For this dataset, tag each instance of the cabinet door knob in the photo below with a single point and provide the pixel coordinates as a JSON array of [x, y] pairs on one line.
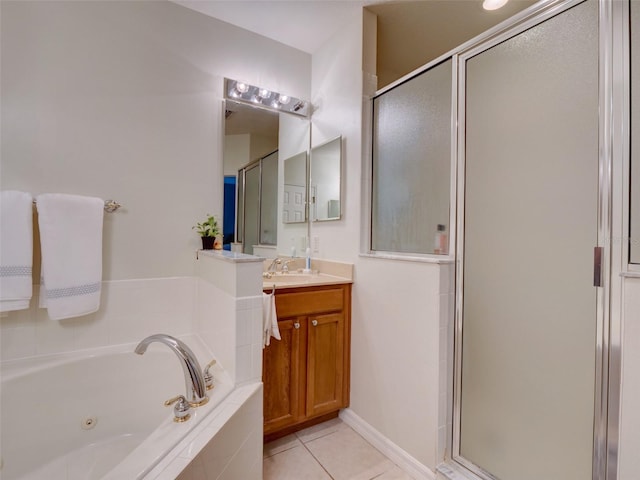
[[296, 325], [314, 322]]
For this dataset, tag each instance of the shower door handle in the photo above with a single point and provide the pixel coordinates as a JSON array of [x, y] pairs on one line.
[[597, 266]]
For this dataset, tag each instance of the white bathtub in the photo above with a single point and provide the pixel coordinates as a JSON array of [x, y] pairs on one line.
[[98, 414]]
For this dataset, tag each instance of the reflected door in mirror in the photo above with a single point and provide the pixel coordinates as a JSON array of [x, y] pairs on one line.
[[325, 182], [294, 199]]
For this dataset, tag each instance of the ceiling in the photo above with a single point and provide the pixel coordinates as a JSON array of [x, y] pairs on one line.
[[410, 33], [241, 118], [302, 24]]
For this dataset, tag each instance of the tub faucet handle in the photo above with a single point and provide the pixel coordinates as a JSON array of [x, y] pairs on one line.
[[208, 376], [181, 408]]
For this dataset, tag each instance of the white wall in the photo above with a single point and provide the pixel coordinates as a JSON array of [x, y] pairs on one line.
[[629, 412], [395, 369], [123, 100], [337, 96]]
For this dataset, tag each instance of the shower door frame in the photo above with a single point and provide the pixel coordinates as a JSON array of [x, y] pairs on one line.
[[607, 368]]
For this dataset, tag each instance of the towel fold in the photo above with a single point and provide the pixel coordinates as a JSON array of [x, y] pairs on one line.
[[16, 250], [269, 319], [71, 241]]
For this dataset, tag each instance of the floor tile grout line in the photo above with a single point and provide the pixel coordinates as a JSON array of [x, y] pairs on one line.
[[282, 451], [315, 438], [319, 462], [300, 442]]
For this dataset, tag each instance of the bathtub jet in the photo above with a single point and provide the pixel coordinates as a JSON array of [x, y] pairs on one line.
[[196, 393]]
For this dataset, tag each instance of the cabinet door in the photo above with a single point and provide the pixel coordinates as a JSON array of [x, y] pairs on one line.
[[325, 363], [282, 366]]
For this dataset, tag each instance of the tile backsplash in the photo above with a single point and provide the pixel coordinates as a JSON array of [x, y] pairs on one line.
[[129, 311], [222, 304]]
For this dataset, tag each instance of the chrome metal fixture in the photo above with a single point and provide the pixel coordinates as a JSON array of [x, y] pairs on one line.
[[285, 265], [273, 267], [193, 378], [264, 98], [181, 408], [208, 376]]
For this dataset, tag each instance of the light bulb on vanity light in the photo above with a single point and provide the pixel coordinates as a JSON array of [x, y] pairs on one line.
[[493, 4], [242, 87], [284, 99]]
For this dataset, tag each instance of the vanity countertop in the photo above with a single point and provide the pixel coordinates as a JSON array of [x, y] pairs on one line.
[[294, 280]]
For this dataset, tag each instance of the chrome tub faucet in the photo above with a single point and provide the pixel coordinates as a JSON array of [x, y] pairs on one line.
[[196, 393]]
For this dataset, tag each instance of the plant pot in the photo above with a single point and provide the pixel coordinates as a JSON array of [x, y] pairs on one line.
[[207, 243]]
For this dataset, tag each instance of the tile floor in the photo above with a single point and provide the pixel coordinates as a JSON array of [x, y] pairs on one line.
[[329, 451]]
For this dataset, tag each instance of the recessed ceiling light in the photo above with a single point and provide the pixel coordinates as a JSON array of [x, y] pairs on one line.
[[493, 4]]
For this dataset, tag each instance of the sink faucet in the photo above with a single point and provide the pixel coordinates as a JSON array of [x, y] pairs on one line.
[[274, 265], [193, 379], [285, 267]]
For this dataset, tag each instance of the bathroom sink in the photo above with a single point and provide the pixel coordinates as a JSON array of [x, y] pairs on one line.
[[289, 278]]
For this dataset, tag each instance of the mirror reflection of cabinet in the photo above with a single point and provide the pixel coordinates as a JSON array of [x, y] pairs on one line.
[[325, 181], [294, 201]]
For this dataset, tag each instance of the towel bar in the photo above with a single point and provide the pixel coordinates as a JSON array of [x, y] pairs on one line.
[[110, 206]]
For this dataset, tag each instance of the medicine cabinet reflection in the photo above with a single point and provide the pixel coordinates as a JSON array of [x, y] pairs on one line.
[[325, 183]]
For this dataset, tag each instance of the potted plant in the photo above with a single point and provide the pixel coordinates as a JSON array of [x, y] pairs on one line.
[[208, 231]]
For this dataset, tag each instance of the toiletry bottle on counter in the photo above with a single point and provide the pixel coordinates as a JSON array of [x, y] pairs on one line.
[[307, 265], [441, 241]]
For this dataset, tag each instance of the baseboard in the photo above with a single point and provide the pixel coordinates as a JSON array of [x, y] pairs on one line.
[[396, 454]]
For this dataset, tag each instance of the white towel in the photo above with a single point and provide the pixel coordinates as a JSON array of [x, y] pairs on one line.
[[71, 240], [269, 319], [16, 250]]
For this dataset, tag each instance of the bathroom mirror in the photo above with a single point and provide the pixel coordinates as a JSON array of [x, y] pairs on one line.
[[258, 136], [325, 181], [294, 201]]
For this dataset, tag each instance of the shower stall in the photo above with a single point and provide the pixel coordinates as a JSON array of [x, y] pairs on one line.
[[533, 348]]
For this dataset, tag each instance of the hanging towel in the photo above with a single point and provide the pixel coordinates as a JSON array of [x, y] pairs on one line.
[[71, 241], [16, 250], [269, 319]]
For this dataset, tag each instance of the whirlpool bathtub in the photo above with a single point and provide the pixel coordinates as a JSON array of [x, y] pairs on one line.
[[100, 414]]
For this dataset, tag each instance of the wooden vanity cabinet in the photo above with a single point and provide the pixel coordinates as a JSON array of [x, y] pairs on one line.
[[306, 374]]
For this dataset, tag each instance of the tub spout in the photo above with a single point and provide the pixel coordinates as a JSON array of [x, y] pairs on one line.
[[193, 379]]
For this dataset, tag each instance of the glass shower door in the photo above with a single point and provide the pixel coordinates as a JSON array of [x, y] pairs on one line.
[[527, 378], [251, 208]]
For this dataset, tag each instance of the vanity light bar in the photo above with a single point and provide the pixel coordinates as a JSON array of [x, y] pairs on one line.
[[262, 97]]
